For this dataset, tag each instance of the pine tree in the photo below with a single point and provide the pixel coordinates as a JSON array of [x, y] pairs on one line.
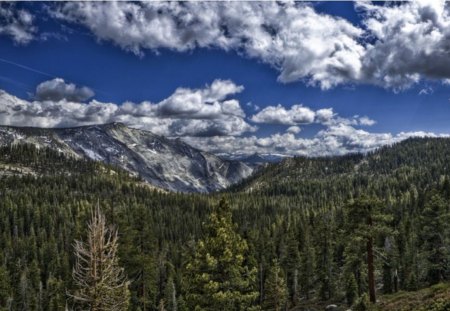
[[365, 223], [5, 289], [324, 258], [217, 277], [101, 282], [292, 262], [351, 288], [275, 290], [307, 265], [434, 235], [170, 295]]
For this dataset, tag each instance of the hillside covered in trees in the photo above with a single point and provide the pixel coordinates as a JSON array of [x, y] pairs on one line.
[[299, 235]]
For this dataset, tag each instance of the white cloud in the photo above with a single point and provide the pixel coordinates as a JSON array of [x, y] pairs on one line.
[[334, 140], [196, 112], [218, 129], [366, 121], [325, 115], [291, 37], [57, 89], [397, 45], [410, 42], [207, 103], [293, 129], [297, 114], [16, 23]]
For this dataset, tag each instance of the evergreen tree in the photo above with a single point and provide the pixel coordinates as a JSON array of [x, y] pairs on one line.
[[434, 235], [292, 262], [351, 289], [307, 265], [217, 277], [275, 290], [365, 223], [5, 289], [170, 295]]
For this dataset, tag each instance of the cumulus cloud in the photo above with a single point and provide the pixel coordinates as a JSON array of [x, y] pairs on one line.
[[325, 115], [294, 129], [396, 45], [297, 114], [291, 37], [410, 41], [16, 23], [57, 89], [208, 111], [207, 103], [211, 123], [366, 121], [334, 140]]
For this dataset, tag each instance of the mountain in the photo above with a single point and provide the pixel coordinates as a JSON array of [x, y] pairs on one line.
[[257, 159], [414, 158], [165, 163]]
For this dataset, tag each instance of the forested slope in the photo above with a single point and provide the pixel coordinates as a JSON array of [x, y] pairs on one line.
[[300, 221]]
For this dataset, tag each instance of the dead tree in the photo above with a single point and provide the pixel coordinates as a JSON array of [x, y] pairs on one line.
[[101, 282]]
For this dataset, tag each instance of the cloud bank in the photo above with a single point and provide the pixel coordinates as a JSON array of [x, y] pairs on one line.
[[208, 118], [396, 46], [208, 111]]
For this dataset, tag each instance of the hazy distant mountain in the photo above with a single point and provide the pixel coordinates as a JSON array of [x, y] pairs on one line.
[[257, 159], [167, 163]]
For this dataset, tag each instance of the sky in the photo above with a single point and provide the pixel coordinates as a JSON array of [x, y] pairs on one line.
[[233, 78]]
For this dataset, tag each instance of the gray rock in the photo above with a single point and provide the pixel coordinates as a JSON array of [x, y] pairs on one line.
[[165, 163]]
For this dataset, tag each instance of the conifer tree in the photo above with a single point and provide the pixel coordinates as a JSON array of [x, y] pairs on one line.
[[170, 295], [292, 262], [217, 277], [307, 265], [365, 223], [351, 290], [275, 290], [434, 234], [5, 289], [101, 282]]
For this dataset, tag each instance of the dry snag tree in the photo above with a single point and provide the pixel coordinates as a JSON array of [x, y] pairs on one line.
[[101, 282]]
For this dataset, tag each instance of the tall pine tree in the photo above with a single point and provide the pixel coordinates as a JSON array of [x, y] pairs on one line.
[[217, 276]]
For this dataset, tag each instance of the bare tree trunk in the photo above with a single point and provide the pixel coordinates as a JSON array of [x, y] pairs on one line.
[[101, 282]]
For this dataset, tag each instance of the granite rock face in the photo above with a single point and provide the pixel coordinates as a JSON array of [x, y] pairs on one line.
[[166, 163]]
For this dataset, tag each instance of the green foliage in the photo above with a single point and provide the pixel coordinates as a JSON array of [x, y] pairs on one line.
[[217, 276], [435, 237], [297, 212], [5, 289], [351, 289], [276, 292], [362, 303], [365, 223]]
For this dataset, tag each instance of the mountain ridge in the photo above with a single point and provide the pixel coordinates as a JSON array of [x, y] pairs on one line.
[[166, 163], [434, 152]]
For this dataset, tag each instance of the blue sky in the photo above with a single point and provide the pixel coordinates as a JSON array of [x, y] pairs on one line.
[[72, 48]]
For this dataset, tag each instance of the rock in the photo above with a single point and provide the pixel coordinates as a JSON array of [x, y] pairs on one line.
[[331, 308], [165, 163]]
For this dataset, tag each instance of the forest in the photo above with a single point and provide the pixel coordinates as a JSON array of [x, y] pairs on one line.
[[333, 233]]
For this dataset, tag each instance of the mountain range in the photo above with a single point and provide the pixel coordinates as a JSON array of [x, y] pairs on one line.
[[169, 164]]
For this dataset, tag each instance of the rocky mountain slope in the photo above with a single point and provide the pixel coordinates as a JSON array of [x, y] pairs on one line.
[[165, 163]]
